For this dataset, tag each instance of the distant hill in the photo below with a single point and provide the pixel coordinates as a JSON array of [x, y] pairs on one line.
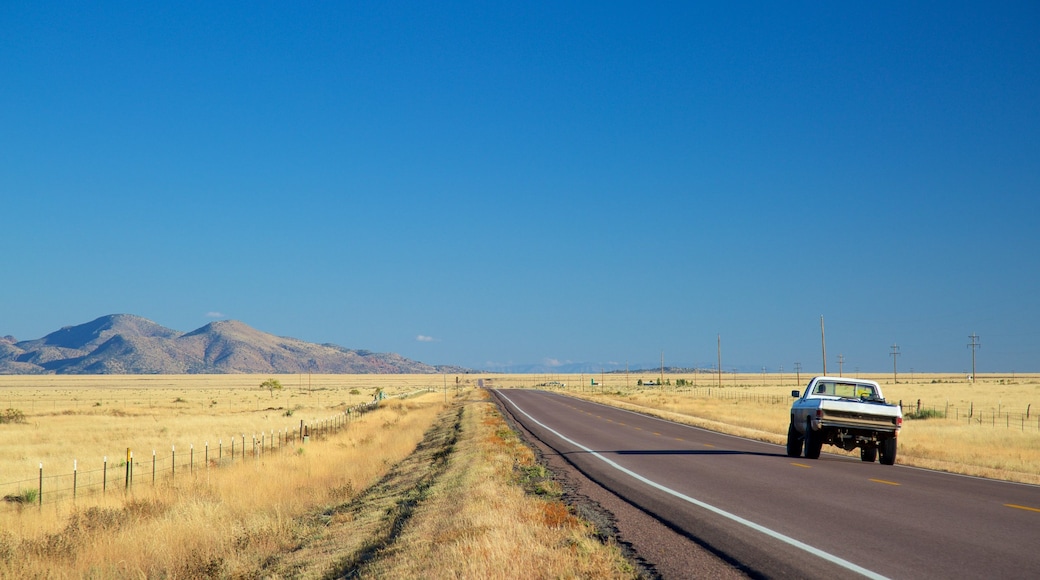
[[128, 344]]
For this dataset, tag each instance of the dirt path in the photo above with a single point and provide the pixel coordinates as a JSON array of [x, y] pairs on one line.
[[348, 536]]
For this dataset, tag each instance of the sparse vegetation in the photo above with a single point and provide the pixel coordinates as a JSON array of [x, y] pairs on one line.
[[962, 433], [484, 506], [271, 385], [12, 416], [26, 496], [301, 514], [924, 414]]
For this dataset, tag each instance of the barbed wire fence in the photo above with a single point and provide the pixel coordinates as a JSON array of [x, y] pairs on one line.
[[1023, 420], [122, 474]]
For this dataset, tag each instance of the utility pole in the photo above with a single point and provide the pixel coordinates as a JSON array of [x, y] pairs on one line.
[[974, 344], [763, 375], [718, 347], [841, 364], [662, 367], [798, 373], [894, 354], [781, 376], [823, 341]]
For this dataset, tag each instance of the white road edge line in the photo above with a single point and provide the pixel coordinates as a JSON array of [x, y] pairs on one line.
[[733, 517]]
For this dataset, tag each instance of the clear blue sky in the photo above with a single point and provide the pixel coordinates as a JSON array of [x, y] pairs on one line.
[[526, 183]]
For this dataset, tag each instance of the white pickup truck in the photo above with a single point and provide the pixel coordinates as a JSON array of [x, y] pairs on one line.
[[846, 413]]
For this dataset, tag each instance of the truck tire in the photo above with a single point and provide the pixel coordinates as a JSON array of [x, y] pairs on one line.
[[813, 441], [888, 451], [868, 454], [794, 441]]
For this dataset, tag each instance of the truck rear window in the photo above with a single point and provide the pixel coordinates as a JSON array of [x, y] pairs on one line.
[[845, 390]]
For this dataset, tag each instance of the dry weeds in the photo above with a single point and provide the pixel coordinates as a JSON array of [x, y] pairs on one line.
[[388, 496], [757, 407]]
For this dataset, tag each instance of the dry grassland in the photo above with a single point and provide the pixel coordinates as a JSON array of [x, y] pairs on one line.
[[457, 508], [365, 501], [998, 441], [88, 418]]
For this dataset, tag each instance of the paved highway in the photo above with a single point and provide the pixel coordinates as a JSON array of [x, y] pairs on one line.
[[786, 517]]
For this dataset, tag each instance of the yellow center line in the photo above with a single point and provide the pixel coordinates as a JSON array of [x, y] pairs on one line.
[[1022, 507], [656, 433], [885, 482], [802, 465], [708, 445]]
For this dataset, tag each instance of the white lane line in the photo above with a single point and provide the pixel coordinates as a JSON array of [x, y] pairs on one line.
[[733, 517]]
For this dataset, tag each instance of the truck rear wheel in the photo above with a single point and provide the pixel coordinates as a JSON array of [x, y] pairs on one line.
[[813, 441], [868, 454], [888, 451], [794, 441]]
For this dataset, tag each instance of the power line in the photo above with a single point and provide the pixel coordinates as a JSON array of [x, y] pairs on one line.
[[894, 354], [823, 344], [974, 344], [718, 347]]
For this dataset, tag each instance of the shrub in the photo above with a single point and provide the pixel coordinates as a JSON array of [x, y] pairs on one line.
[[25, 496], [925, 414], [12, 416]]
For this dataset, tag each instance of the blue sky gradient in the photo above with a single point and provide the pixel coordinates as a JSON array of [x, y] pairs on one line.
[[490, 185]]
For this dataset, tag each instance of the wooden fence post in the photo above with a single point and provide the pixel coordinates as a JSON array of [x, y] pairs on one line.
[[74, 480], [104, 475], [39, 492]]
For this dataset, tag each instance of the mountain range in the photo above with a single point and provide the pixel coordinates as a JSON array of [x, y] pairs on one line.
[[128, 344]]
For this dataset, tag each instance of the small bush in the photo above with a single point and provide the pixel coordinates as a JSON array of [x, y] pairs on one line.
[[12, 416], [26, 496], [925, 414]]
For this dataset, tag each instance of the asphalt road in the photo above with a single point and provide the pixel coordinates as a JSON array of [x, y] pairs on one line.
[[784, 517]]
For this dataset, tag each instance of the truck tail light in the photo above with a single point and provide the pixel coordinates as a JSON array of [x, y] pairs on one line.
[[899, 422], [819, 413]]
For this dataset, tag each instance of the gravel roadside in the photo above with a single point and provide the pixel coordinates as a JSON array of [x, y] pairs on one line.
[[655, 550]]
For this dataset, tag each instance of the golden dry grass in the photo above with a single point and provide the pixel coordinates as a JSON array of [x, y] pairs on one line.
[[1003, 445], [480, 523], [301, 511], [222, 522], [87, 418]]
